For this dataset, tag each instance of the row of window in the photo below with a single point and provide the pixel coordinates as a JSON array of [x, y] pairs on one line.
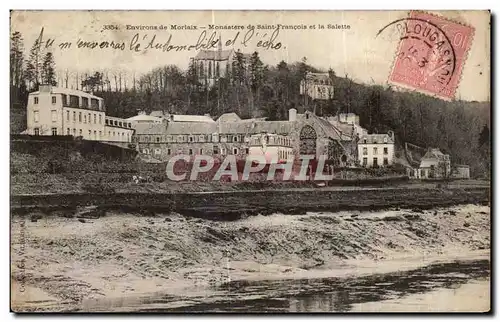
[[267, 139], [74, 101], [97, 135], [375, 162], [216, 151], [53, 131], [375, 151], [85, 118], [192, 138], [215, 138], [91, 117], [118, 123], [284, 154]]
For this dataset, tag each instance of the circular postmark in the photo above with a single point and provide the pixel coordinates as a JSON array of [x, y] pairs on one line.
[[426, 58]]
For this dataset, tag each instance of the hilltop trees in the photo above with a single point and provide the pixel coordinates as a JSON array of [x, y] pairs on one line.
[[251, 88], [16, 59], [48, 73], [93, 82], [34, 67], [18, 90], [484, 136]]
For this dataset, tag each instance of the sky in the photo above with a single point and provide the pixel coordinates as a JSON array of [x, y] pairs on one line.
[[350, 46]]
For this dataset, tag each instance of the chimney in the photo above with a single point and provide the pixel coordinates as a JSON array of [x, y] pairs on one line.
[[292, 115]]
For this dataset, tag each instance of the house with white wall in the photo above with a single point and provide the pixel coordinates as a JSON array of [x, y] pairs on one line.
[[376, 150]]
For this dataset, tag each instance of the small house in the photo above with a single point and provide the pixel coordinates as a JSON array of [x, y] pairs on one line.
[[434, 165]]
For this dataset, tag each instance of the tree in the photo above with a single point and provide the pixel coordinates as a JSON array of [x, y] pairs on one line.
[[256, 68], [34, 66], [192, 82], [48, 70], [331, 108], [484, 136], [16, 59], [18, 90], [92, 83], [256, 72], [484, 150], [239, 73]]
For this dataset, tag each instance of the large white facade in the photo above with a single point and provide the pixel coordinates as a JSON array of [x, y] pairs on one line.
[[63, 111]]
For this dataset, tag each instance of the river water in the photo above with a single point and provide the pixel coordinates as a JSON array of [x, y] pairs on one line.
[[398, 291]]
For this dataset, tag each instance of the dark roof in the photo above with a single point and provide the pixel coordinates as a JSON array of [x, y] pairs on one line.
[[252, 127], [177, 128], [191, 128], [317, 76], [150, 128], [435, 154], [376, 139]]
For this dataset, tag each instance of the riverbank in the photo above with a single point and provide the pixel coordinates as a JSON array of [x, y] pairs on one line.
[[72, 264], [236, 204]]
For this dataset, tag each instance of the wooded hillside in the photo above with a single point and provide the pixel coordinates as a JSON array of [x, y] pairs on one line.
[[253, 88]]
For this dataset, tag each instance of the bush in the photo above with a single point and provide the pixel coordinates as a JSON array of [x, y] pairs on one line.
[[55, 166], [97, 188]]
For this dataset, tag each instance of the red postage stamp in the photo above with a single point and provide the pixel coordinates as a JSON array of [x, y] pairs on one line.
[[431, 54]]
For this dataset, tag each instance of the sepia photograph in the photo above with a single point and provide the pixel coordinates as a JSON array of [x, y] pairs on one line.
[[250, 161]]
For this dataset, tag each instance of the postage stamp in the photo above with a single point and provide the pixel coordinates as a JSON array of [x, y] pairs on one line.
[[431, 54]]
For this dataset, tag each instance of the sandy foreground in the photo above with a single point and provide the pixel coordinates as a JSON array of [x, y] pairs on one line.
[[70, 264]]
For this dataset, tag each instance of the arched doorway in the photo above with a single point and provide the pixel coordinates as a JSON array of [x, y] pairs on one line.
[[308, 140]]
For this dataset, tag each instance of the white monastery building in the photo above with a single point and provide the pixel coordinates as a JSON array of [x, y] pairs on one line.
[[62, 111]]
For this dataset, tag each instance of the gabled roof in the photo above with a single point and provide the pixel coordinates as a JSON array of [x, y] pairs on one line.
[[143, 117], [277, 127], [434, 154], [191, 128], [229, 117], [193, 118], [317, 76], [253, 126]]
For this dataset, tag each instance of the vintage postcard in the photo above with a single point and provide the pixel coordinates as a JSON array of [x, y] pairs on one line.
[[250, 161]]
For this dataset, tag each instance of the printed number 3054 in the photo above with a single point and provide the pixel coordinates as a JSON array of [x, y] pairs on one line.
[[110, 27]]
